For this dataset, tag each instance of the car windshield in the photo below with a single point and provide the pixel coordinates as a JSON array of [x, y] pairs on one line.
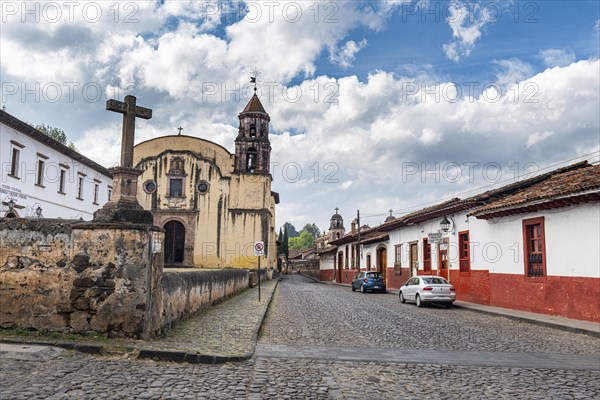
[[374, 275], [434, 281]]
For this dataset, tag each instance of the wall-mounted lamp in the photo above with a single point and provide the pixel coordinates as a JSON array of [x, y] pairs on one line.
[[38, 211], [445, 224], [11, 205]]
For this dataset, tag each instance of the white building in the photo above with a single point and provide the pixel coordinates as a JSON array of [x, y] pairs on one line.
[[41, 175], [531, 245]]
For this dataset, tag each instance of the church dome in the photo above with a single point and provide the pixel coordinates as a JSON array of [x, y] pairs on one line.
[[390, 217], [336, 220]]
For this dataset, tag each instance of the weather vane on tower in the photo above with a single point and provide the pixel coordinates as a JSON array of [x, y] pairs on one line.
[[254, 77]]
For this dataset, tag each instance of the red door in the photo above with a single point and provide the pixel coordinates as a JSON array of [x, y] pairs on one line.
[[443, 258]]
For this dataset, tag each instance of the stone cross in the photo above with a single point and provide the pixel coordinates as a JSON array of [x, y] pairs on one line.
[[336, 210], [130, 111], [180, 129]]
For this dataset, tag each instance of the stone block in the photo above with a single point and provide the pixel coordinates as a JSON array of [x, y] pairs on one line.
[[82, 303], [84, 282], [64, 308], [79, 321]]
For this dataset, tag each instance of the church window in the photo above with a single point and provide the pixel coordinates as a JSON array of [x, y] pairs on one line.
[[109, 192], [202, 187], [176, 187], [252, 130], [149, 186], [251, 159]]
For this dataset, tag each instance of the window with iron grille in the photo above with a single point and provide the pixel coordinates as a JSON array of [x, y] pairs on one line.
[[464, 252], [534, 247]]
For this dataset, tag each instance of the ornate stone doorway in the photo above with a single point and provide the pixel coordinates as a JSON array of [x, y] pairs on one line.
[[174, 242]]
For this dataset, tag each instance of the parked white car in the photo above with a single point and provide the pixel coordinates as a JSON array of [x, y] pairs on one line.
[[427, 289]]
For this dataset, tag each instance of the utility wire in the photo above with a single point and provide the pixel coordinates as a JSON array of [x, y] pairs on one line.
[[595, 154]]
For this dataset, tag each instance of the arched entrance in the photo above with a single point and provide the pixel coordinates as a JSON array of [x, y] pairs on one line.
[[174, 242], [382, 261]]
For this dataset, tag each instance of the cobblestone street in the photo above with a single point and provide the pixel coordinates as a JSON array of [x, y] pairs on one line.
[[326, 342]]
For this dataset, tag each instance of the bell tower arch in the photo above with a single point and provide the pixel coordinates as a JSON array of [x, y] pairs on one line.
[[252, 145]]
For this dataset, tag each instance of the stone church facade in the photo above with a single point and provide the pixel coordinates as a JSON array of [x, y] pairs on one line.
[[213, 205]]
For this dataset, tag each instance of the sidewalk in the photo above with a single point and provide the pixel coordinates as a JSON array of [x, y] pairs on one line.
[[225, 332], [567, 324]]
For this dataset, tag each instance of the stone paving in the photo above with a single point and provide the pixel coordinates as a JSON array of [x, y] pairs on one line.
[[226, 329], [79, 376], [305, 316], [309, 313]]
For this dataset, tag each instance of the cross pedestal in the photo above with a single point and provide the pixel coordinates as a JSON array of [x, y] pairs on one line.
[[123, 205]]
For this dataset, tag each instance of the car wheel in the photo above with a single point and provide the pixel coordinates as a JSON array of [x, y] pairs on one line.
[[353, 288], [418, 301], [362, 289], [402, 299]]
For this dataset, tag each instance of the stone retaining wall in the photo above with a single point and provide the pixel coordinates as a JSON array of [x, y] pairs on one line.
[[76, 277], [184, 293], [82, 277]]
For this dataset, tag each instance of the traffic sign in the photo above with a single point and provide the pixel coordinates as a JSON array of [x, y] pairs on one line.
[[259, 248]]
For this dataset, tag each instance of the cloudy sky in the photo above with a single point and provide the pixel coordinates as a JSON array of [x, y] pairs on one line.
[[374, 105]]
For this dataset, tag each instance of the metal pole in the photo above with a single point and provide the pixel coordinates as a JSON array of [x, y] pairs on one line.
[[259, 279], [358, 251]]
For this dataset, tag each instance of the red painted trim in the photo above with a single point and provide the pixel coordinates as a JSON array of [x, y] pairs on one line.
[[464, 258], [568, 297], [526, 243]]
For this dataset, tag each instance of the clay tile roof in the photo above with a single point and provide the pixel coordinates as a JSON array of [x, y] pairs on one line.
[[559, 185], [254, 105]]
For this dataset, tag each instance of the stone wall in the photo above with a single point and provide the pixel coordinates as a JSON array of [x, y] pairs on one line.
[[184, 293], [78, 277]]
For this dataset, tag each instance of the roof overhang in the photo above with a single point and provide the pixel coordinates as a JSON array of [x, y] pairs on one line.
[[541, 205]]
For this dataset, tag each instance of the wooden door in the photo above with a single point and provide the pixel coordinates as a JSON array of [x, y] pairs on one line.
[[382, 261], [443, 258], [340, 266], [414, 259]]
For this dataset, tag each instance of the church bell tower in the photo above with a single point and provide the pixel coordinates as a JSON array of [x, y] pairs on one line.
[[252, 145]]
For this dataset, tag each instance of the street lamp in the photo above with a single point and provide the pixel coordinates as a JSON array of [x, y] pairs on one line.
[[445, 224]]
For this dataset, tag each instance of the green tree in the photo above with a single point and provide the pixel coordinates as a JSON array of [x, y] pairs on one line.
[[280, 242], [313, 229], [57, 134], [302, 242], [285, 245], [291, 230]]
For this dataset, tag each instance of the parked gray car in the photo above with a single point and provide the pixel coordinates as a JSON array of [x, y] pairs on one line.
[[427, 289]]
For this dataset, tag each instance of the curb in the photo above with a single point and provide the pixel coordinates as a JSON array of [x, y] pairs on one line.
[[262, 320], [532, 321], [82, 348], [184, 357]]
